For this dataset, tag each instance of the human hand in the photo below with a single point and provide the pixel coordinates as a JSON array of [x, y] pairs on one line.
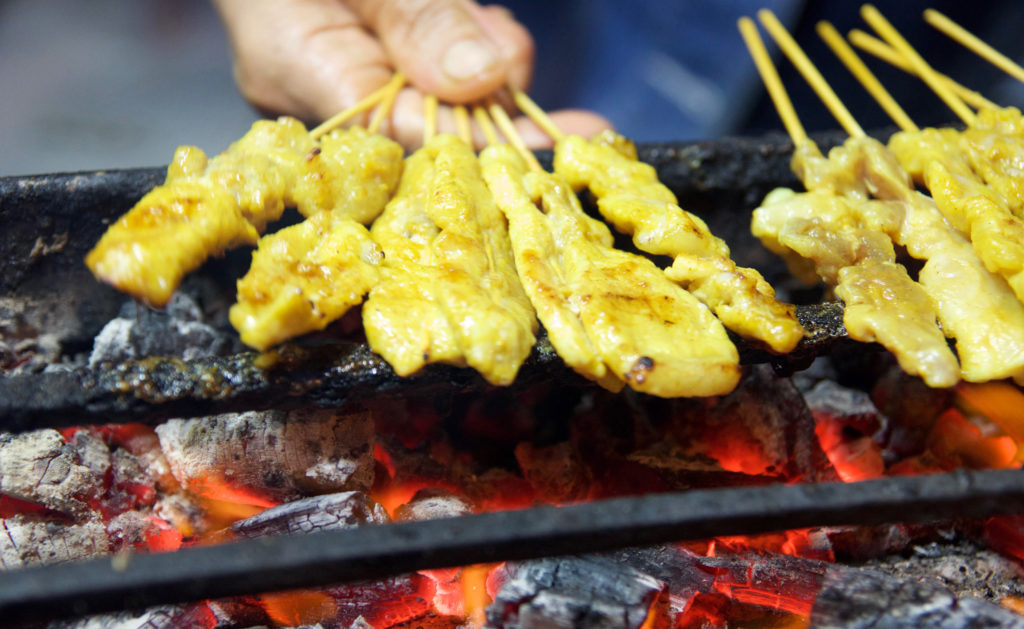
[[314, 58]]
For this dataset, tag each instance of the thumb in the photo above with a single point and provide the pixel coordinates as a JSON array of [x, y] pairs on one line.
[[439, 44]]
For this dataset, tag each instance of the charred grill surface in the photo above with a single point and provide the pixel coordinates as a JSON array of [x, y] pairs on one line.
[[334, 376], [302, 560]]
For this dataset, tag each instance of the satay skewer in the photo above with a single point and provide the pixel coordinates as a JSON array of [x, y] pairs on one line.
[[613, 316], [968, 40], [887, 32], [429, 117], [508, 128], [866, 78], [486, 126], [463, 128], [365, 104], [847, 237]]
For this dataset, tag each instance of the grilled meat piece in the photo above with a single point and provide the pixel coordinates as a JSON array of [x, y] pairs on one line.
[[612, 316], [303, 278], [632, 199], [448, 290]]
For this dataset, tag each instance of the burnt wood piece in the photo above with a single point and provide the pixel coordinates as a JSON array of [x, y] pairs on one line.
[[332, 376], [295, 561]]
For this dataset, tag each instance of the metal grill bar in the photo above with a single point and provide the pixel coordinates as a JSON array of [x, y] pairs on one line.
[[286, 562]]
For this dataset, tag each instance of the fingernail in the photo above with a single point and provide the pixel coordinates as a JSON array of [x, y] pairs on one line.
[[467, 59]]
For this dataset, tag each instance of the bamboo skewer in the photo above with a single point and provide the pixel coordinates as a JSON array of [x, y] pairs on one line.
[[882, 26], [538, 115], [429, 117], [387, 101], [344, 116], [866, 78], [772, 82], [966, 39], [462, 125], [490, 134], [883, 51], [508, 128], [809, 72]]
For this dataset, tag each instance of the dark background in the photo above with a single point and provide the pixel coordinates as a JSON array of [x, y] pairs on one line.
[[100, 84]]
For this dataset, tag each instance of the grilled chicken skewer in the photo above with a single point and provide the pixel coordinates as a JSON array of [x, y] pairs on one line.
[[612, 316], [843, 236], [448, 290], [630, 197], [207, 206]]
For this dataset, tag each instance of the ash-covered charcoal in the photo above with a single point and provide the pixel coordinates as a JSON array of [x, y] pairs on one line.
[[193, 616], [23, 347], [135, 530], [433, 504], [679, 569], [41, 468], [343, 510], [963, 567], [266, 457], [862, 598], [578, 591], [763, 428], [179, 331], [381, 603], [30, 540]]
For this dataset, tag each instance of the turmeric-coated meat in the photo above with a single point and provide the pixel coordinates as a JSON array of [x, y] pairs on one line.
[[449, 291], [630, 197], [304, 277], [614, 317]]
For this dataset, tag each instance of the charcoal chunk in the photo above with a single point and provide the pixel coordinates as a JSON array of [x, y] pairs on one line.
[[854, 598], [319, 513], [266, 457], [579, 591]]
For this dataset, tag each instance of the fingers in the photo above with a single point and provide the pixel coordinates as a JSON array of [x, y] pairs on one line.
[[451, 48], [306, 58], [515, 45]]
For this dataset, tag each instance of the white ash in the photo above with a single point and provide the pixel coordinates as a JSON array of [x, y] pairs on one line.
[[274, 454], [92, 452], [130, 529], [40, 467], [181, 512], [195, 615], [27, 541], [433, 504], [179, 332], [964, 568]]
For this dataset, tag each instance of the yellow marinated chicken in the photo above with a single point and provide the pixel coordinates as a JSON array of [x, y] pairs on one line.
[[352, 172], [448, 290], [632, 199], [975, 307], [847, 242], [995, 147], [965, 200], [612, 316], [203, 208], [206, 206], [304, 277]]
